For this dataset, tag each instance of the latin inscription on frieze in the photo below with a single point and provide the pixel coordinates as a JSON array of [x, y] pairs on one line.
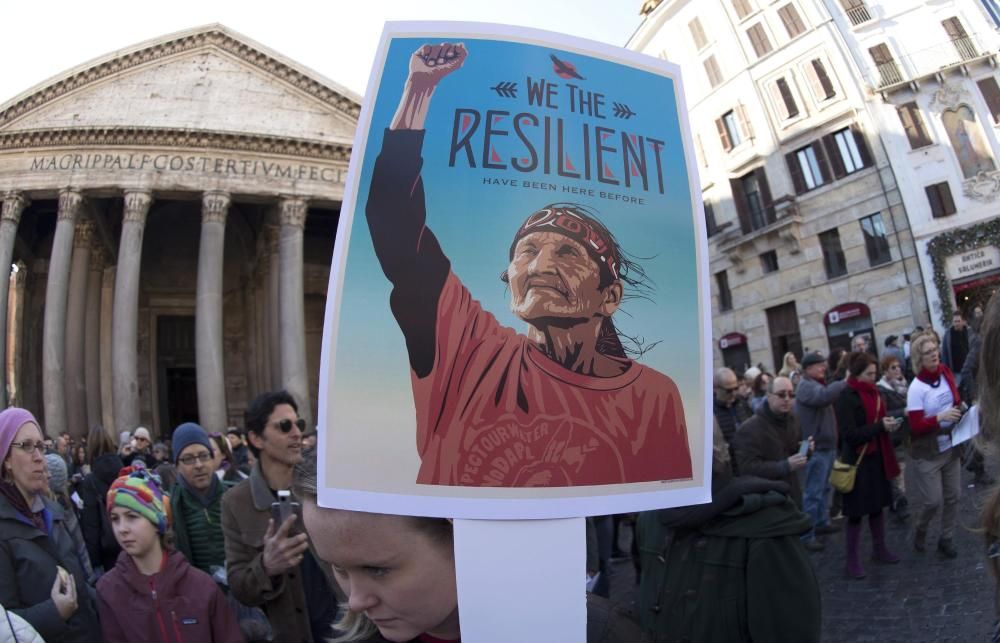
[[179, 163]]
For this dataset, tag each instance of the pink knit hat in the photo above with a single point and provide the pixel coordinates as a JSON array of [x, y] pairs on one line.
[[11, 420]]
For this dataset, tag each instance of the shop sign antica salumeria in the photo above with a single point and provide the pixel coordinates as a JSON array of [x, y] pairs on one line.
[[973, 262]]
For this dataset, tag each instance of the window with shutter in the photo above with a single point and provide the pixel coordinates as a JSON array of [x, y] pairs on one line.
[[769, 261], [787, 100], [876, 241], [849, 146], [720, 125], [741, 114], [790, 18], [939, 197], [759, 40], [885, 65], [857, 11], [913, 125], [697, 34], [834, 261], [991, 94], [725, 296], [742, 8], [731, 128], [959, 38], [713, 71], [710, 225], [819, 80]]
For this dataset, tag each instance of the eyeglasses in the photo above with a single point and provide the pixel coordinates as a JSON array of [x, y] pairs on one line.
[[30, 446], [732, 389], [785, 395], [190, 458], [286, 424]]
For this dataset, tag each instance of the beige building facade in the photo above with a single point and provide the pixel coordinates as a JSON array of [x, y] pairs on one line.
[[171, 211]]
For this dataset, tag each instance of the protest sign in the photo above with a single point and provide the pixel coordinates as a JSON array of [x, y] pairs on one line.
[[518, 304]]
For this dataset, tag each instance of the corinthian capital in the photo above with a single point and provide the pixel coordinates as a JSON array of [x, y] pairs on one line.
[[70, 201], [84, 233], [137, 204], [14, 204], [214, 206], [293, 212]]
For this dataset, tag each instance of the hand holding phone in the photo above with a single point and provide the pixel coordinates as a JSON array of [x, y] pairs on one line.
[[804, 447]]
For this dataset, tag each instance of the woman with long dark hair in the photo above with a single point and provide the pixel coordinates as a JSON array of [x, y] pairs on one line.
[[97, 533]]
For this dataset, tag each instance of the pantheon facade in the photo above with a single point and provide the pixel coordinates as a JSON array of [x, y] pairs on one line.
[[169, 217]]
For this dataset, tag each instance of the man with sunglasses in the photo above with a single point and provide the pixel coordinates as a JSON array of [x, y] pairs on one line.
[[730, 410], [767, 445], [196, 500], [271, 565]]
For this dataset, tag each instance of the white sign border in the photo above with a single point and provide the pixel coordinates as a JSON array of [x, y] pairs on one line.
[[505, 508]]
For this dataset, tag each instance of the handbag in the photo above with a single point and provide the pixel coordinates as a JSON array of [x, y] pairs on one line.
[[843, 473]]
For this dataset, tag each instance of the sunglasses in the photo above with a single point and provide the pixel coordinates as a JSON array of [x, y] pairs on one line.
[[286, 424], [785, 395]]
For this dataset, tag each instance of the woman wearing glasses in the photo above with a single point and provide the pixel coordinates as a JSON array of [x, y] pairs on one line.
[[933, 407], [865, 432], [41, 577]]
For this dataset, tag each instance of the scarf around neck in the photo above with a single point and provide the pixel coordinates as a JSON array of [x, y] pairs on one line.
[[871, 400], [13, 495], [934, 380], [208, 498]]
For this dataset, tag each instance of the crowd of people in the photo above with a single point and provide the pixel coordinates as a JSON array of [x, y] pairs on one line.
[[187, 532]]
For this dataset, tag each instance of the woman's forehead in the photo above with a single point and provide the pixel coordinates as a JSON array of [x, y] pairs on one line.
[[29, 430]]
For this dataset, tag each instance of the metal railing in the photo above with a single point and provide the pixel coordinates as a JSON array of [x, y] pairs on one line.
[[965, 47], [858, 15], [889, 74]]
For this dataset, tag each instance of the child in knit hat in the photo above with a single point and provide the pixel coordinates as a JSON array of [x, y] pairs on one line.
[[167, 598]]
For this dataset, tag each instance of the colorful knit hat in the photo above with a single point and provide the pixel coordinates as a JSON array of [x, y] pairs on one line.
[[138, 489]]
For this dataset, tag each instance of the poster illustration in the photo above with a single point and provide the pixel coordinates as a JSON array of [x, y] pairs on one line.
[[517, 306]]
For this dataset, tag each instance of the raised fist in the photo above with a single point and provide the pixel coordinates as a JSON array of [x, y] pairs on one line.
[[431, 63]]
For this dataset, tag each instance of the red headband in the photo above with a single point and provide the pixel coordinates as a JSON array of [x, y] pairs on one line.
[[575, 226]]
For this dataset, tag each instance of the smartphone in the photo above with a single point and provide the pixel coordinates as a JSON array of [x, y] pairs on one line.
[[804, 447], [285, 507]]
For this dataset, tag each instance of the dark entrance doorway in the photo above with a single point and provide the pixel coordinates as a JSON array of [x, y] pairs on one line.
[[178, 394], [783, 322]]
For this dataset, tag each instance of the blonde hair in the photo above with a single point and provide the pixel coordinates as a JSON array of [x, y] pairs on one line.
[[917, 348]]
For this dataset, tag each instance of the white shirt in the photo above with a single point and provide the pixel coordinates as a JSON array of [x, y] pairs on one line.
[[924, 397]]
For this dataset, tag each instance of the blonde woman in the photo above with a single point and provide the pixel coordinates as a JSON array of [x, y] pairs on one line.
[[933, 408]]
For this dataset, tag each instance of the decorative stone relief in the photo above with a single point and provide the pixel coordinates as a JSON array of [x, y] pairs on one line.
[[137, 204], [70, 201], [214, 206], [84, 233], [984, 187], [13, 205], [294, 211], [210, 38], [949, 96]]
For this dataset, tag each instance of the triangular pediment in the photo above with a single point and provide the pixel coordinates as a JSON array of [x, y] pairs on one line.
[[205, 79]]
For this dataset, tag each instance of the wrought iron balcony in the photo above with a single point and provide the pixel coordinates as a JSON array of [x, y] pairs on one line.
[[858, 15]]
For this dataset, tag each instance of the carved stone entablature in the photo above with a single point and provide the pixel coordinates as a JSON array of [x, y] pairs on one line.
[[984, 187], [137, 204], [14, 204], [214, 206], [171, 138], [211, 37], [84, 233], [293, 211], [70, 201], [949, 96]]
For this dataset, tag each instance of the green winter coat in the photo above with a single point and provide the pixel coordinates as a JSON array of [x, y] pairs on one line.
[[732, 570], [194, 523]]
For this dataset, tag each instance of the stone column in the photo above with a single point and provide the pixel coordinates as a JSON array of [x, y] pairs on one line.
[[273, 305], [92, 337], [262, 309], [291, 308], [54, 324], [125, 316], [76, 320], [208, 313], [13, 205]]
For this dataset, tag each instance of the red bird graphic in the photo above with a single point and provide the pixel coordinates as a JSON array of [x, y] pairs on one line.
[[564, 69]]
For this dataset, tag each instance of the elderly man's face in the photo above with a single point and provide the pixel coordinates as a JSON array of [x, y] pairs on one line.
[[726, 387], [553, 277]]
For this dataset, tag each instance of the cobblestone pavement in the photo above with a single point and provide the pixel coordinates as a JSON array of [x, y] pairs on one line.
[[923, 598]]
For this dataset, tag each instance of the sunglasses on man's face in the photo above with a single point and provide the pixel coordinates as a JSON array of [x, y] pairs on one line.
[[286, 424]]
